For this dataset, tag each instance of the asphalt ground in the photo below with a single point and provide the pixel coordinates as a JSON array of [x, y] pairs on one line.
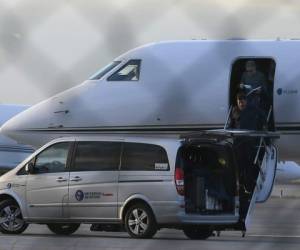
[[275, 225]]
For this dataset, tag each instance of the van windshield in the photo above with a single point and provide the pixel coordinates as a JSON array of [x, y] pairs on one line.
[[99, 74]]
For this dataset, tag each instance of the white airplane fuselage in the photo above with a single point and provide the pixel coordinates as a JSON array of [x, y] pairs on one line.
[[182, 86]]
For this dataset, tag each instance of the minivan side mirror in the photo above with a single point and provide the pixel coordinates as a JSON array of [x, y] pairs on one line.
[[30, 168]]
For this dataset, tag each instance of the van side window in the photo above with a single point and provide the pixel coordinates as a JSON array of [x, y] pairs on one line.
[[97, 156], [129, 72], [22, 171], [144, 157], [53, 159]]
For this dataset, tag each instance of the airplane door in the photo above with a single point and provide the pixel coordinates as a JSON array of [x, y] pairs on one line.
[[266, 177], [265, 180]]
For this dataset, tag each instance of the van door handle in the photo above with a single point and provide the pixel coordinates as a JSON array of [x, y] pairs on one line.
[[61, 179], [76, 178]]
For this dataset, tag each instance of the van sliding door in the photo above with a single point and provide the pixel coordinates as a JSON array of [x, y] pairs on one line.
[[94, 180]]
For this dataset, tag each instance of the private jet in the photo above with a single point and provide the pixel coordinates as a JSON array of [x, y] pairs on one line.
[[179, 87], [170, 87]]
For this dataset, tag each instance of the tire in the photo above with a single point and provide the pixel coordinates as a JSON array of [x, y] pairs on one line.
[[140, 222], [63, 228], [197, 232], [11, 219]]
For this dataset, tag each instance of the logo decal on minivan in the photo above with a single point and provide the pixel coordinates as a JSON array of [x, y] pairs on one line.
[[79, 195]]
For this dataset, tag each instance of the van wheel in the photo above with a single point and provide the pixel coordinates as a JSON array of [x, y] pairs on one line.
[[11, 220], [140, 221], [197, 232], [63, 228]]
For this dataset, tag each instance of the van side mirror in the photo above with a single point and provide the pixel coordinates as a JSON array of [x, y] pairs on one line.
[[30, 168]]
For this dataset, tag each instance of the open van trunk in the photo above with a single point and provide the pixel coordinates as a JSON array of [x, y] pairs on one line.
[[210, 179], [225, 173]]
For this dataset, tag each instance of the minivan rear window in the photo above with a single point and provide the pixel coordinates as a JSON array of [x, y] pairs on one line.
[[144, 157], [97, 156]]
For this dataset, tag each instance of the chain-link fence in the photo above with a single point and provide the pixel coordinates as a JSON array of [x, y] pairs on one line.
[[48, 46]]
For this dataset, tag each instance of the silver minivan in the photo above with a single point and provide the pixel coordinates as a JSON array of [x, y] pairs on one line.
[[198, 183]]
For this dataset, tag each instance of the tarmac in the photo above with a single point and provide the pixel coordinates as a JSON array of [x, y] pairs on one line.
[[274, 225]]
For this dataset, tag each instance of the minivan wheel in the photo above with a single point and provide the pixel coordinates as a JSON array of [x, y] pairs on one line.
[[11, 220], [197, 232], [140, 221], [63, 228]]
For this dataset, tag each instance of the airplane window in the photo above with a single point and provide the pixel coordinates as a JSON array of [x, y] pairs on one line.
[[99, 74], [129, 72]]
